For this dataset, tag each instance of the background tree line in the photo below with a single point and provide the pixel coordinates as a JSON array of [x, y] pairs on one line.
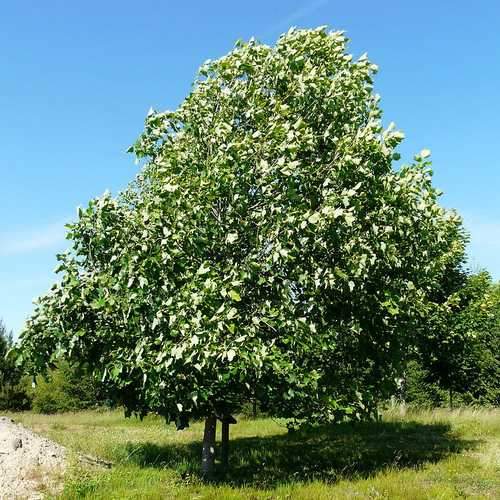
[[65, 387], [459, 363]]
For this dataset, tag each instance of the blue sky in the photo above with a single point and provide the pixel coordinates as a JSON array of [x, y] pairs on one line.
[[77, 79]]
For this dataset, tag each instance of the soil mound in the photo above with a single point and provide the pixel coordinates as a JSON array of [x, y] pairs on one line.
[[29, 464]]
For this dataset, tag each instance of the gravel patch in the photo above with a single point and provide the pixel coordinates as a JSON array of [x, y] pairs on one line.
[[29, 463]]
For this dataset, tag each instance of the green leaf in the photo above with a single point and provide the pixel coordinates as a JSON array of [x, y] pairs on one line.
[[231, 238], [203, 269], [171, 188], [314, 218]]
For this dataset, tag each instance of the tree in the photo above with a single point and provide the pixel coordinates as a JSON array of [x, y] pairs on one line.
[[13, 395], [462, 351], [267, 250], [5, 345]]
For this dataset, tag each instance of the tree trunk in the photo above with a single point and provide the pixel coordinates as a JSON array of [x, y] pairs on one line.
[[225, 444], [451, 398], [208, 451], [254, 409]]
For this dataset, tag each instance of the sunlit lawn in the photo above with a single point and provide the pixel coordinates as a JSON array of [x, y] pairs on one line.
[[425, 454]]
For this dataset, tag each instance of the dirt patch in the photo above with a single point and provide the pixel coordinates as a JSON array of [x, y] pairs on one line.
[[29, 464]]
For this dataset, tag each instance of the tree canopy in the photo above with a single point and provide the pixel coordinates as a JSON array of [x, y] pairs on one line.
[[13, 394], [6, 342], [462, 349], [268, 248]]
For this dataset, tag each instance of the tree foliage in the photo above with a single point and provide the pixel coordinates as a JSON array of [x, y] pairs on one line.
[[6, 341], [13, 394], [268, 249], [66, 388], [462, 351]]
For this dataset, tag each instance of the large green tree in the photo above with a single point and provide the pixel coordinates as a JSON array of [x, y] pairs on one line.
[[268, 249]]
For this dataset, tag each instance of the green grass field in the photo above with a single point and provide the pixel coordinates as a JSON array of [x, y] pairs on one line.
[[435, 454]]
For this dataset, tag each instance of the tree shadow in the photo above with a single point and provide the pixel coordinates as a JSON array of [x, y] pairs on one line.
[[324, 453]]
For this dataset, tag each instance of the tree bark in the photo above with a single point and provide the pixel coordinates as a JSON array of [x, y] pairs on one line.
[[208, 451], [451, 398], [254, 409], [225, 444]]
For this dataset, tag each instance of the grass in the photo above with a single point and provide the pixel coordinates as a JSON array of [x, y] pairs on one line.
[[436, 454]]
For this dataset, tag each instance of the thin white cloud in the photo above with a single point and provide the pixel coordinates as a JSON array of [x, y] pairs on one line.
[[26, 241], [304, 11]]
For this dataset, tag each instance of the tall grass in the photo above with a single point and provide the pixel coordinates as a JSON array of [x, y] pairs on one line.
[[408, 454]]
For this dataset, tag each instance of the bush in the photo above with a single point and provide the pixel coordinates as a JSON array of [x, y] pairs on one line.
[[15, 397], [66, 388]]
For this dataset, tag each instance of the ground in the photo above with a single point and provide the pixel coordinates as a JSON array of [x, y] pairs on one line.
[[30, 465], [408, 455]]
